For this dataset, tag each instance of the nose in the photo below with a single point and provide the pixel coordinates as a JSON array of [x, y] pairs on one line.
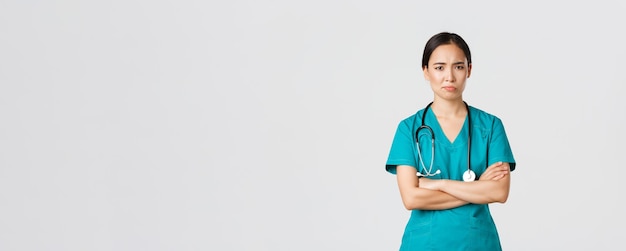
[[449, 77]]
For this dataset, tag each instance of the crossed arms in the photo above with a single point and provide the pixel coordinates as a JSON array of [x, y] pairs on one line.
[[428, 194]]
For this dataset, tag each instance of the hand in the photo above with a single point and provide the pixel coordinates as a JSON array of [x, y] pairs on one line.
[[495, 172]]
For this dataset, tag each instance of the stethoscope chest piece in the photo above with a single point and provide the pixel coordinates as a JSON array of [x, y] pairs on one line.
[[469, 175]]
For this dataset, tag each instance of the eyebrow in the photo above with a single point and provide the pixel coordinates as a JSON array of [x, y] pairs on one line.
[[456, 63]]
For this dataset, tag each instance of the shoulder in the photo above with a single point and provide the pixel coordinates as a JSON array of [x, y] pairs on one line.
[[479, 113], [412, 119], [409, 123], [484, 118]]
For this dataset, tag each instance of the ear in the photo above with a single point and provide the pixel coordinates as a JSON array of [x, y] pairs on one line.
[[425, 70], [469, 70]]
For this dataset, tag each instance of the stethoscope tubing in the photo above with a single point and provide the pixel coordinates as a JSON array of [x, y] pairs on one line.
[[423, 126]]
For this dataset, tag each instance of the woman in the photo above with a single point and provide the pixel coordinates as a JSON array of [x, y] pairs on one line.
[[451, 160]]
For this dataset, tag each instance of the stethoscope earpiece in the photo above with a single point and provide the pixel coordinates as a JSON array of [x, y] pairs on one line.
[[429, 174]]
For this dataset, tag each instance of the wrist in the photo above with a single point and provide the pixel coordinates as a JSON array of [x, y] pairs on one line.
[[441, 184]]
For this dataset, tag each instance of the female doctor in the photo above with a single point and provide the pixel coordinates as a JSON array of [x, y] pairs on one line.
[[451, 159]]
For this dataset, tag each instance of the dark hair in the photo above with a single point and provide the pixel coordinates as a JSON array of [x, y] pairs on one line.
[[441, 39]]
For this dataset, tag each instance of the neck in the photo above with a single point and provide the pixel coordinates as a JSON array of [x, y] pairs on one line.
[[449, 108]]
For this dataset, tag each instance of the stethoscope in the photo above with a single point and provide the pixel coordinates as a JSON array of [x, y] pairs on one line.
[[468, 175]]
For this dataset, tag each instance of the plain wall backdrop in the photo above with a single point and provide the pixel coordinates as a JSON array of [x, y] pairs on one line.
[[265, 125]]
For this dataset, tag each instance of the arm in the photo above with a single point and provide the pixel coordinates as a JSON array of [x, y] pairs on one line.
[[415, 197], [420, 193], [482, 191]]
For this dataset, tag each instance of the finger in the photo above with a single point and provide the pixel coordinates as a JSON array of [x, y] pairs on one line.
[[492, 171], [495, 165], [488, 175], [496, 175]]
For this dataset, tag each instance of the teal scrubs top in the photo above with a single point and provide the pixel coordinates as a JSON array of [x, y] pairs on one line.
[[468, 227]]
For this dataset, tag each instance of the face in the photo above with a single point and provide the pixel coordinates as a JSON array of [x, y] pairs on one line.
[[447, 71]]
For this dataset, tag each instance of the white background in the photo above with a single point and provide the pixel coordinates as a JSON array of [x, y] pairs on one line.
[[265, 125]]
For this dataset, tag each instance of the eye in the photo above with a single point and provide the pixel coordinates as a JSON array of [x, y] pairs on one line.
[[439, 68], [460, 67]]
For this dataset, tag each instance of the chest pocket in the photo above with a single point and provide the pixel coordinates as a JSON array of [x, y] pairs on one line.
[[480, 149]]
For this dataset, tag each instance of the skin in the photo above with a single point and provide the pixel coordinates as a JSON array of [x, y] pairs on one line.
[[447, 72]]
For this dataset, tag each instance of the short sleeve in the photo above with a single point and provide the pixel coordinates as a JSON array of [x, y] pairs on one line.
[[499, 147], [402, 148]]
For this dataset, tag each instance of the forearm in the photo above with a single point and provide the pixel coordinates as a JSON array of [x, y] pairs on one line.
[[416, 197], [492, 186], [477, 192], [426, 199]]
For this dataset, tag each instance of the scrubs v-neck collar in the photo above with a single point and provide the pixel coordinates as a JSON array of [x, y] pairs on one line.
[[440, 137]]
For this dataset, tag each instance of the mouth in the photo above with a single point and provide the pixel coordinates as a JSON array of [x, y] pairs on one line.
[[449, 88]]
